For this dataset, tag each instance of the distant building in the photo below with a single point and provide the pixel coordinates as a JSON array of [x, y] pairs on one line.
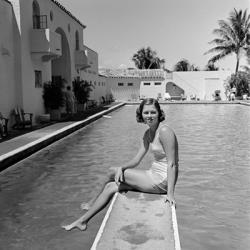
[[201, 84], [134, 84]]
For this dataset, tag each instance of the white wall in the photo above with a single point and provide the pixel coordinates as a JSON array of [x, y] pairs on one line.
[[100, 83], [201, 83], [91, 74], [9, 61], [125, 92], [152, 90]]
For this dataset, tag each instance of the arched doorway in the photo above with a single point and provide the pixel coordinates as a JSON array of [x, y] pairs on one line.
[[174, 90], [61, 66]]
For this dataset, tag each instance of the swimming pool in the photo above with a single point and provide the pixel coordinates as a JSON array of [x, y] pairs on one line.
[[213, 204]]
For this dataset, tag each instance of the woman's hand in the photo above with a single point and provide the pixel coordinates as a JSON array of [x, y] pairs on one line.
[[170, 198], [119, 176]]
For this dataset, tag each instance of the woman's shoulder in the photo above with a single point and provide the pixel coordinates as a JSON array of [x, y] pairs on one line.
[[165, 130]]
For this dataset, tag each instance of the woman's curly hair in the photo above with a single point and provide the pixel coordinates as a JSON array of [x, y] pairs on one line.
[[149, 101]]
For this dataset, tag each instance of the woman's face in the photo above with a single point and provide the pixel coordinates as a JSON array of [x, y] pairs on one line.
[[150, 115]]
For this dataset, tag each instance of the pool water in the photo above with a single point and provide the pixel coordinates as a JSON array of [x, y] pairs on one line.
[[212, 193]]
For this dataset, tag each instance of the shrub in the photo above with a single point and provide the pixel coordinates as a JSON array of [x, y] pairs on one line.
[[81, 90], [240, 81], [53, 95]]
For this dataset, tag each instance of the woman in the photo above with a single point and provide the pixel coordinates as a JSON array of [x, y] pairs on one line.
[[159, 179], [70, 101]]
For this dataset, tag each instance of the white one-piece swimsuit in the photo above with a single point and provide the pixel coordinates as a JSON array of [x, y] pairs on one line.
[[158, 170]]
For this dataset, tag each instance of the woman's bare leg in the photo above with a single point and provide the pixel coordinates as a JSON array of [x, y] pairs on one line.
[[110, 177], [133, 180], [102, 200]]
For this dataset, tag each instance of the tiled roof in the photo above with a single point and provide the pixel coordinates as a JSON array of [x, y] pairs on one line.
[[137, 73], [67, 12]]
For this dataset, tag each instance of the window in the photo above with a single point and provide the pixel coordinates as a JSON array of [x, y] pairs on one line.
[[157, 83], [77, 40], [40, 22], [98, 83], [38, 79], [130, 84], [120, 83], [146, 83]]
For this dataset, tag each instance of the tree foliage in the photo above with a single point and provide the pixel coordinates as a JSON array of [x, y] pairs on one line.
[[211, 67], [81, 90], [182, 65], [232, 37], [185, 65], [146, 58], [240, 81]]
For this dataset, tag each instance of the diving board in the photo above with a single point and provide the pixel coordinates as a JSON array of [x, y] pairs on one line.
[[138, 221]]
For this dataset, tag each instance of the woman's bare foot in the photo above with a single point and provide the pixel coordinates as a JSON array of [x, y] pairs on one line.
[[76, 224]]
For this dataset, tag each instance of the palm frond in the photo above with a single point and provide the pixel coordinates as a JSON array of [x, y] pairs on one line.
[[227, 31], [219, 56], [220, 48], [232, 36]]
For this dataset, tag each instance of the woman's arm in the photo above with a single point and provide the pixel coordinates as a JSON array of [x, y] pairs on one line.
[[170, 145], [136, 160], [139, 156]]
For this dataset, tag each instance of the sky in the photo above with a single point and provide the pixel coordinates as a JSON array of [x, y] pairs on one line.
[[175, 29]]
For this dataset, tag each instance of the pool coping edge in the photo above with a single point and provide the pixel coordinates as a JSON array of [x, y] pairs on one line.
[[16, 155]]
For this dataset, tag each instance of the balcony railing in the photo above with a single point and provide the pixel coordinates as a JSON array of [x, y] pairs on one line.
[[40, 22]]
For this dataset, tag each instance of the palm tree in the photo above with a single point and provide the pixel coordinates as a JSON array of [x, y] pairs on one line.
[[146, 58], [182, 65], [233, 37], [211, 67]]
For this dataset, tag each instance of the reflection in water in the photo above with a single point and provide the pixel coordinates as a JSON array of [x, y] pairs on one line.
[[39, 193]]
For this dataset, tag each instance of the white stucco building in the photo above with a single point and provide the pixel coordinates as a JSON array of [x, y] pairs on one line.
[[134, 84], [202, 84], [40, 41], [91, 74]]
